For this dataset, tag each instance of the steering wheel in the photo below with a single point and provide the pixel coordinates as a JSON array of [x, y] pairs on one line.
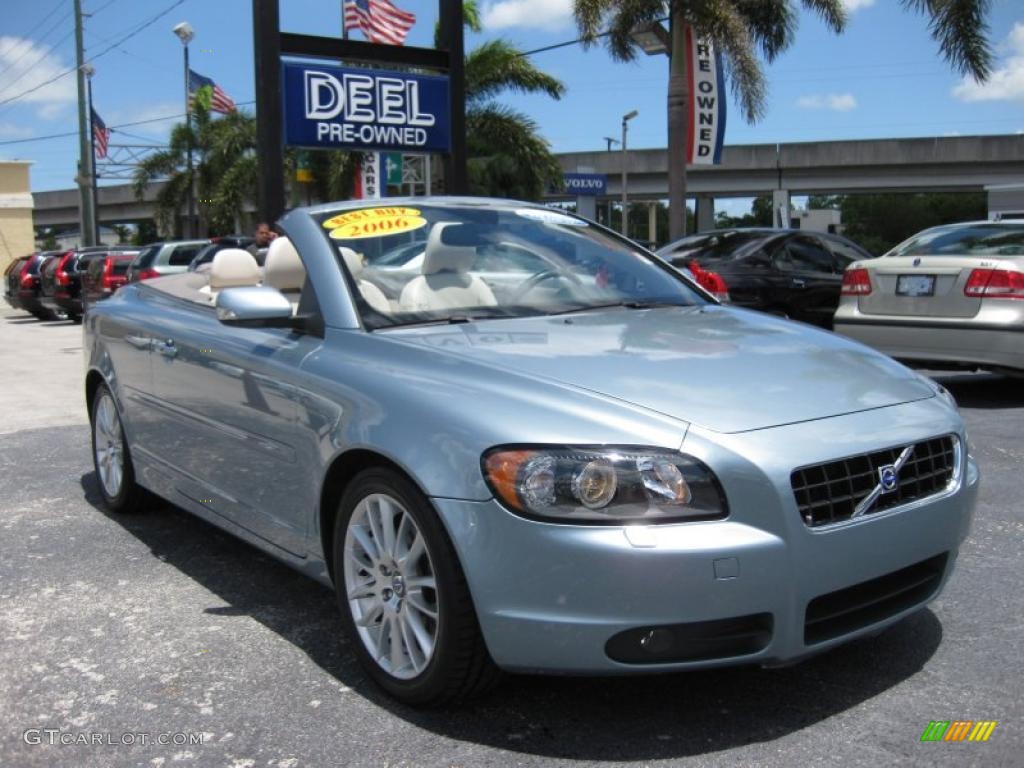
[[534, 280]]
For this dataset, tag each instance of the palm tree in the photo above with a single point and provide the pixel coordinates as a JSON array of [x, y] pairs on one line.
[[224, 169], [741, 29], [506, 154]]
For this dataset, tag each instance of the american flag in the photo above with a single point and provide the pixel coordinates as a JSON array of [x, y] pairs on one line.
[[214, 98], [379, 20], [100, 135]]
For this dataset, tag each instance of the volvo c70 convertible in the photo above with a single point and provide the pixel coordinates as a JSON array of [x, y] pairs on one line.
[[600, 470]]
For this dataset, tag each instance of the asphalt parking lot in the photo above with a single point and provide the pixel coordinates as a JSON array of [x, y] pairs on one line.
[[160, 627]]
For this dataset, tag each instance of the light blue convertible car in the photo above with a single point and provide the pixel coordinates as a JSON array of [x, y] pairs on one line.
[[544, 450]]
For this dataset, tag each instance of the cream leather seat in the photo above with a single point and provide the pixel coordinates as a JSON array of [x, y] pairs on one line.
[[445, 282], [284, 270], [374, 296], [231, 268]]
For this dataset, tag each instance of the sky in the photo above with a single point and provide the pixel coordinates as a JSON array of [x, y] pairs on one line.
[[882, 78]]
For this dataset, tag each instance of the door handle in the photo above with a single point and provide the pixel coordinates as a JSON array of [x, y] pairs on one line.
[[799, 283], [167, 348], [139, 342]]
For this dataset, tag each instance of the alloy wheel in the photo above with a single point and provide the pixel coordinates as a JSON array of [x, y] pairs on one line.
[[391, 586], [108, 445]]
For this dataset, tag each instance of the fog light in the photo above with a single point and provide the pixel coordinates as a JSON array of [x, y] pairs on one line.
[[595, 484]]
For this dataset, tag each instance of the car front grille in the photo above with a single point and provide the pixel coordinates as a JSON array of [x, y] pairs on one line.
[[847, 610], [829, 493]]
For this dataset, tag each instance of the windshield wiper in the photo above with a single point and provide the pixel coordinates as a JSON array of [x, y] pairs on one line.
[[450, 320], [614, 304]]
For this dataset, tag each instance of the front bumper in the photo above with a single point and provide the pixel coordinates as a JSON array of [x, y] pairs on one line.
[[550, 597], [995, 337]]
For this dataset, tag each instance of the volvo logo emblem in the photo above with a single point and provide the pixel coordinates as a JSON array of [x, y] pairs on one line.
[[888, 478], [888, 481]]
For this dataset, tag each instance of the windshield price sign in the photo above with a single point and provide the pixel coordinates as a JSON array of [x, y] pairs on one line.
[[365, 109]]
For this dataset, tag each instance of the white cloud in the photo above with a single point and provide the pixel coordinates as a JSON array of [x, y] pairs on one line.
[[530, 14], [1006, 82], [852, 6], [837, 102], [30, 65], [12, 131]]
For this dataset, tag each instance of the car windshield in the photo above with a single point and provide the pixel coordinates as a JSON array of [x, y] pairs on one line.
[[416, 264], [965, 240]]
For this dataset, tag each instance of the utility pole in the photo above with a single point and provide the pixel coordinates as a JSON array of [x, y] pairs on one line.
[[87, 205]]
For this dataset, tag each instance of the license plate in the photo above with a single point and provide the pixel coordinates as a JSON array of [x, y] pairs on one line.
[[915, 285]]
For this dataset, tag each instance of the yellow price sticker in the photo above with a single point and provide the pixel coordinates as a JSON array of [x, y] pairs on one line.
[[374, 222]]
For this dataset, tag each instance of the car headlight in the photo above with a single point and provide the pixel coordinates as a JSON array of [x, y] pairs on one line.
[[603, 485]]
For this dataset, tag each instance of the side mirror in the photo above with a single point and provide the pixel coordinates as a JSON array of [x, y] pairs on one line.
[[254, 307]]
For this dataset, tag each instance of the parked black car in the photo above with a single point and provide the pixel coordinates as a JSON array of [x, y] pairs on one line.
[[205, 256], [165, 258], [12, 275], [22, 287], [61, 278], [788, 272]]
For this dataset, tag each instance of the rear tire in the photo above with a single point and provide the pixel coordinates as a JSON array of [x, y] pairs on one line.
[[111, 457], [397, 574]]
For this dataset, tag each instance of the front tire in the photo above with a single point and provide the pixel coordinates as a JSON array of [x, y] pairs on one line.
[[403, 597], [111, 457]]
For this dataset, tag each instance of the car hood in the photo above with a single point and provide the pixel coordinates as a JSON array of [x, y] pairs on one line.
[[725, 369]]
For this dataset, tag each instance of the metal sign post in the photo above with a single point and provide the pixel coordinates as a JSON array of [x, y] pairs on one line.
[[270, 44]]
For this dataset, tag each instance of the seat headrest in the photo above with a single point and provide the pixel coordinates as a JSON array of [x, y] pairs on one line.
[[233, 267], [354, 260], [283, 269], [446, 258]]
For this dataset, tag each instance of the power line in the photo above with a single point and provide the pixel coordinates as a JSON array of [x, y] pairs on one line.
[[579, 40], [101, 53], [115, 128]]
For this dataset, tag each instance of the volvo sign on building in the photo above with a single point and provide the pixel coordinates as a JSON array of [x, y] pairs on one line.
[[365, 109]]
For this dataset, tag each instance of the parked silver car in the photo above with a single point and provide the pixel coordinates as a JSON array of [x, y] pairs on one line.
[[949, 297], [610, 475], [160, 259]]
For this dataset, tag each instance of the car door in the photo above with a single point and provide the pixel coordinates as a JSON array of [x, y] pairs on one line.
[[229, 414], [812, 281]]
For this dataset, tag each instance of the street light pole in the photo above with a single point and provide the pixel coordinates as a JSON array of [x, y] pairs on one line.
[[185, 34], [625, 197]]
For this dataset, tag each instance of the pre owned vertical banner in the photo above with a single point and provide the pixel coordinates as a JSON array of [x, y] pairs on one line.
[[706, 108]]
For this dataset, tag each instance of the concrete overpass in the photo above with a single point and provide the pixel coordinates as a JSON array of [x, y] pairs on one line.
[[117, 205], [958, 163]]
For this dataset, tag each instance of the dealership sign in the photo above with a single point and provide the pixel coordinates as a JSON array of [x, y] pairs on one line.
[[706, 108], [585, 184], [365, 109]]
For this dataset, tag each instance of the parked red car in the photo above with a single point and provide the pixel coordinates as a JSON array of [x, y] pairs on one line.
[[62, 278], [22, 287], [105, 274]]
